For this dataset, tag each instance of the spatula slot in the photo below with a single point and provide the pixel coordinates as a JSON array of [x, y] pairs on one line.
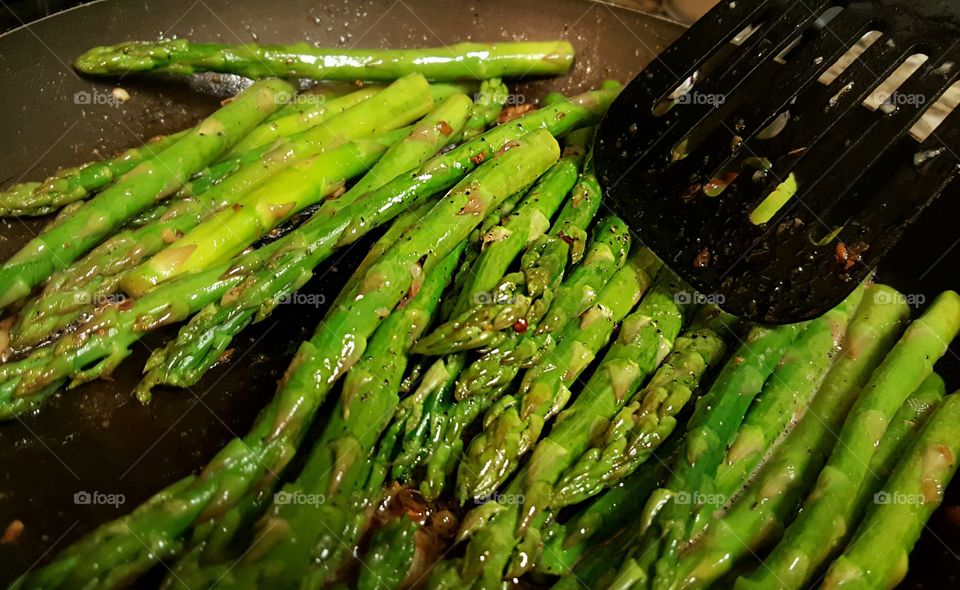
[[852, 55], [885, 97], [938, 112]]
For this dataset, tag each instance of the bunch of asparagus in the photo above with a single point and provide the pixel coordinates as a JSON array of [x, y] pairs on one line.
[[521, 389]]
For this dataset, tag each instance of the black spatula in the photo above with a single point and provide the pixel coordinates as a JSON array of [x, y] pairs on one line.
[[748, 108]]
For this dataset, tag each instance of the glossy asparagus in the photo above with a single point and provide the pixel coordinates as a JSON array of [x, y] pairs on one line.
[[814, 536], [759, 516], [246, 466], [78, 182], [514, 423], [202, 341], [650, 415], [148, 183], [459, 61], [878, 555]]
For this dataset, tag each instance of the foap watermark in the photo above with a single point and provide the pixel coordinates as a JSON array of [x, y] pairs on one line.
[[899, 99], [898, 498], [505, 499], [114, 98], [306, 99], [504, 98], [298, 499], [886, 296], [488, 298], [699, 499], [693, 297], [95, 498], [701, 98], [310, 299]]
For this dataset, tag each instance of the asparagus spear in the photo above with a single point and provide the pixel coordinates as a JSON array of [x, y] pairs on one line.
[[515, 422], [338, 469], [646, 337], [649, 416], [488, 104], [500, 365], [606, 254], [502, 241], [453, 62], [757, 517], [297, 122], [712, 426], [247, 466], [879, 553], [146, 184], [186, 359], [78, 182], [229, 231], [829, 509], [26, 383], [786, 396], [93, 280]]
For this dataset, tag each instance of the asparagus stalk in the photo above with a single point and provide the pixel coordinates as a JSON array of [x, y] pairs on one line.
[[26, 383], [93, 279], [513, 425], [287, 262], [296, 253], [764, 509], [338, 469], [148, 183], [502, 242], [186, 359], [646, 338], [76, 183], [786, 396], [715, 420], [390, 556], [830, 508], [879, 553], [453, 62], [228, 232], [650, 415], [247, 466], [607, 253], [309, 116]]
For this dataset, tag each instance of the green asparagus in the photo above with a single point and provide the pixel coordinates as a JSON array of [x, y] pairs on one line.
[[453, 62], [248, 465], [202, 341], [764, 509], [514, 423], [650, 415], [646, 337], [878, 555], [151, 181], [716, 417], [814, 536], [77, 183]]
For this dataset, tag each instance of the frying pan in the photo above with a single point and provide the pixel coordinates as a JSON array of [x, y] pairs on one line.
[[97, 438]]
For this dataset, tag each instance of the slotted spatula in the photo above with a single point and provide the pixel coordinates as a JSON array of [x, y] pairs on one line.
[[758, 174]]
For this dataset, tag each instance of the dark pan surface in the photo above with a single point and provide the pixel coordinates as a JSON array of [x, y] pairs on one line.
[[96, 438]]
